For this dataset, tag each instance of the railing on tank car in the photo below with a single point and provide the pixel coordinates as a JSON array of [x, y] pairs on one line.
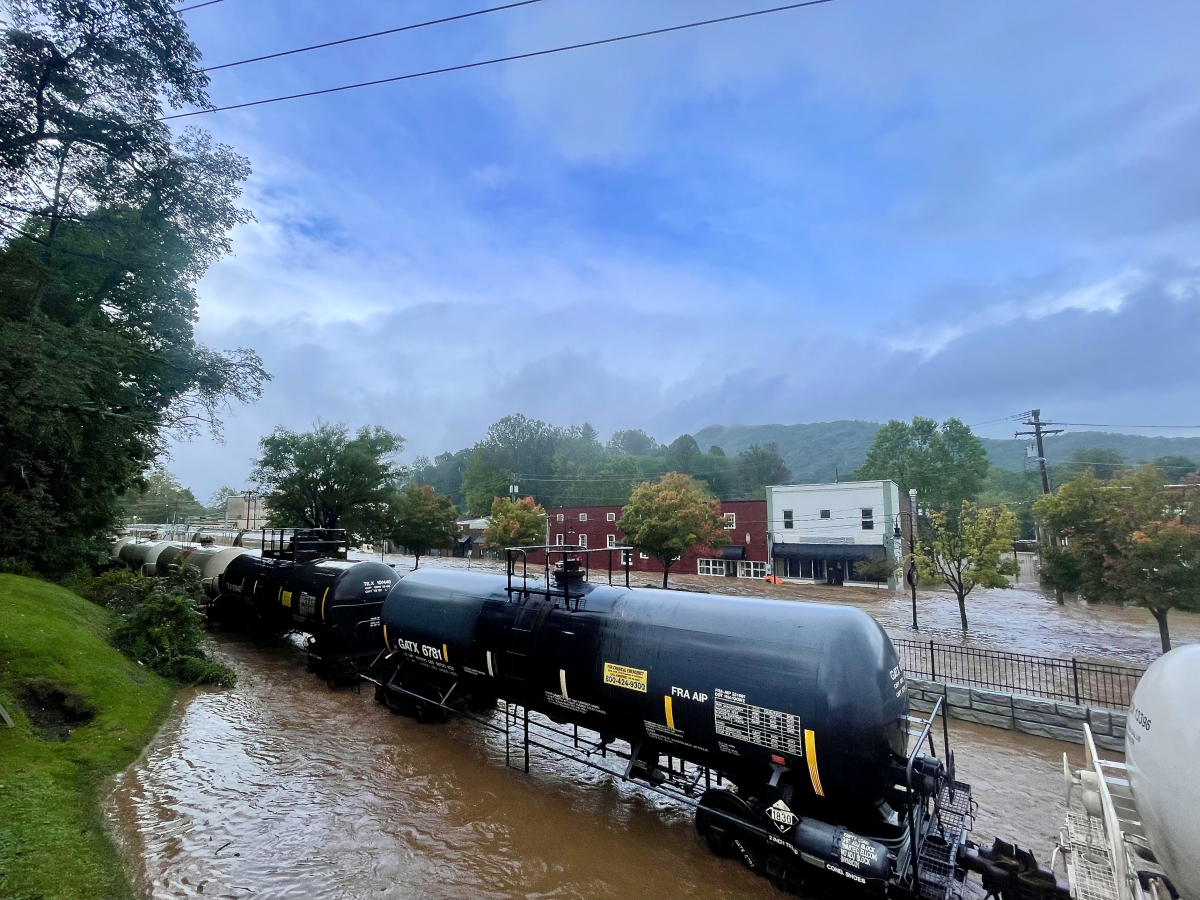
[[303, 544], [1072, 680], [565, 553]]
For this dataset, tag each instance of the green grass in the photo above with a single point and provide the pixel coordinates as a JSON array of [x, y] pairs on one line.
[[52, 840]]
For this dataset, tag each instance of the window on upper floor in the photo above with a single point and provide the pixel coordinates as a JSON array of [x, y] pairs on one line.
[[868, 518], [612, 540], [643, 556], [561, 518], [730, 521], [611, 517], [583, 517], [824, 514], [788, 520]]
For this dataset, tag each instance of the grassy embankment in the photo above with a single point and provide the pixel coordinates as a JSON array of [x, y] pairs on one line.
[[52, 841]]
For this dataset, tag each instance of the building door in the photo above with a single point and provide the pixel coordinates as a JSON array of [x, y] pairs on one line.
[[835, 572]]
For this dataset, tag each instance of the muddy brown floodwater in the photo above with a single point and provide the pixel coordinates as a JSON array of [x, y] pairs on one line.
[[283, 788]]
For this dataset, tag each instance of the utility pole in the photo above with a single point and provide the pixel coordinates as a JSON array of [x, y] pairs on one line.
[[1034, 420], [911, 575]]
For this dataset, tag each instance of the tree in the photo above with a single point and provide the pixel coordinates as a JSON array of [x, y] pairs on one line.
[[1177, 468], [1105, 464], [162, 499], [109, 222], [520, 523], [422, 520], [632, 443], [667, 519], [219, 500], [321, 477], [445, 473], [968, 550], [875, 568], [683, 453], [483, 481], [1131, 541], [946, 465], [760, 466]]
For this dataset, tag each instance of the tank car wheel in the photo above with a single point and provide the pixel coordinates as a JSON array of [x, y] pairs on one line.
[[720, 833]]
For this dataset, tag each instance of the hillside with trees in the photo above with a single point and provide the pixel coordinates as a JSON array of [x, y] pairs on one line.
[[814, 451]]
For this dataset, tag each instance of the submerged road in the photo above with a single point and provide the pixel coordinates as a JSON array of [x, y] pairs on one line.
[[283, 788]]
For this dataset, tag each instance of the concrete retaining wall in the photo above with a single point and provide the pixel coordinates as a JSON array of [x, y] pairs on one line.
[[1030, 715]]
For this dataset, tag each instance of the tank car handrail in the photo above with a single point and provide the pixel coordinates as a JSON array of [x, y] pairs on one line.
[[915, 832]]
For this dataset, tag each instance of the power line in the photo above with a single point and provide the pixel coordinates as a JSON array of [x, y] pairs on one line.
[[1098, 425], [363, 37], [198, 5], [496, 60]]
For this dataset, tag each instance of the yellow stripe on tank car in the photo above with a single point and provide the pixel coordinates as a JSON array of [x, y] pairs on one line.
[[445, 654], [386, 645], [324, 597], [810, 750], [669, 711]]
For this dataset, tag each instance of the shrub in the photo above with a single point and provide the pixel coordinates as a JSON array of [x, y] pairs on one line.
[[163, 632], [14, 566], [119, 591]]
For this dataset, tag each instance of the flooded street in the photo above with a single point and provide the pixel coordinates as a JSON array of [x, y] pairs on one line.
[[1020, 619], [283, 788]]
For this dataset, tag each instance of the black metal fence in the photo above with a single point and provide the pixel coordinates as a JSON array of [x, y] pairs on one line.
[[1090, 684]]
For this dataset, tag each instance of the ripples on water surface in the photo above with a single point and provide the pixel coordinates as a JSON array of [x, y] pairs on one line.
[[283, 788]]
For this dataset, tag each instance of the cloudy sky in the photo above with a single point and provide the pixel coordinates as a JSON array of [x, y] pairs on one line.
[[864, 209]]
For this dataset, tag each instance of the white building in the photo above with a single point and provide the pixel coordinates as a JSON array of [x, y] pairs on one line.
[[817, 532], [246, 512]]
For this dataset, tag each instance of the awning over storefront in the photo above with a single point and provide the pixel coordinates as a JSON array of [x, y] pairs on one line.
[[733, 553], [849, 552]]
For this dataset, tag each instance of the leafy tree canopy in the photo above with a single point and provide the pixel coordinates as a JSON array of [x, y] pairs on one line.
[[968, 550], [632, 443], [422, 520], [108, 223], [219, 500], [1132, 540], [946, 464], [162, 499], [683, 453], [1104, 464], [325, 478], [519, 523], [667, 519], [570, 467]]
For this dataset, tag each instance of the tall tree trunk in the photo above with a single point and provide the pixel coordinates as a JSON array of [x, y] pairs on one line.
[[962, 609], [1160, 616], [666, 571], [417, 564]]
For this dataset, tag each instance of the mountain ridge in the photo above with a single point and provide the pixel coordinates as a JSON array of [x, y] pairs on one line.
[[819, 452]]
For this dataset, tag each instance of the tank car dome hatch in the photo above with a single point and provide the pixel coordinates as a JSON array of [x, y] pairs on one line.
[[1162, 747]]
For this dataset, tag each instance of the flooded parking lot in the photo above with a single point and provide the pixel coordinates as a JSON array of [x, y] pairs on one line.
[[283, 788]]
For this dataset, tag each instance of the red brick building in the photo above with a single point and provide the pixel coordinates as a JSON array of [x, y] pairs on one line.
[[596, 528]]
